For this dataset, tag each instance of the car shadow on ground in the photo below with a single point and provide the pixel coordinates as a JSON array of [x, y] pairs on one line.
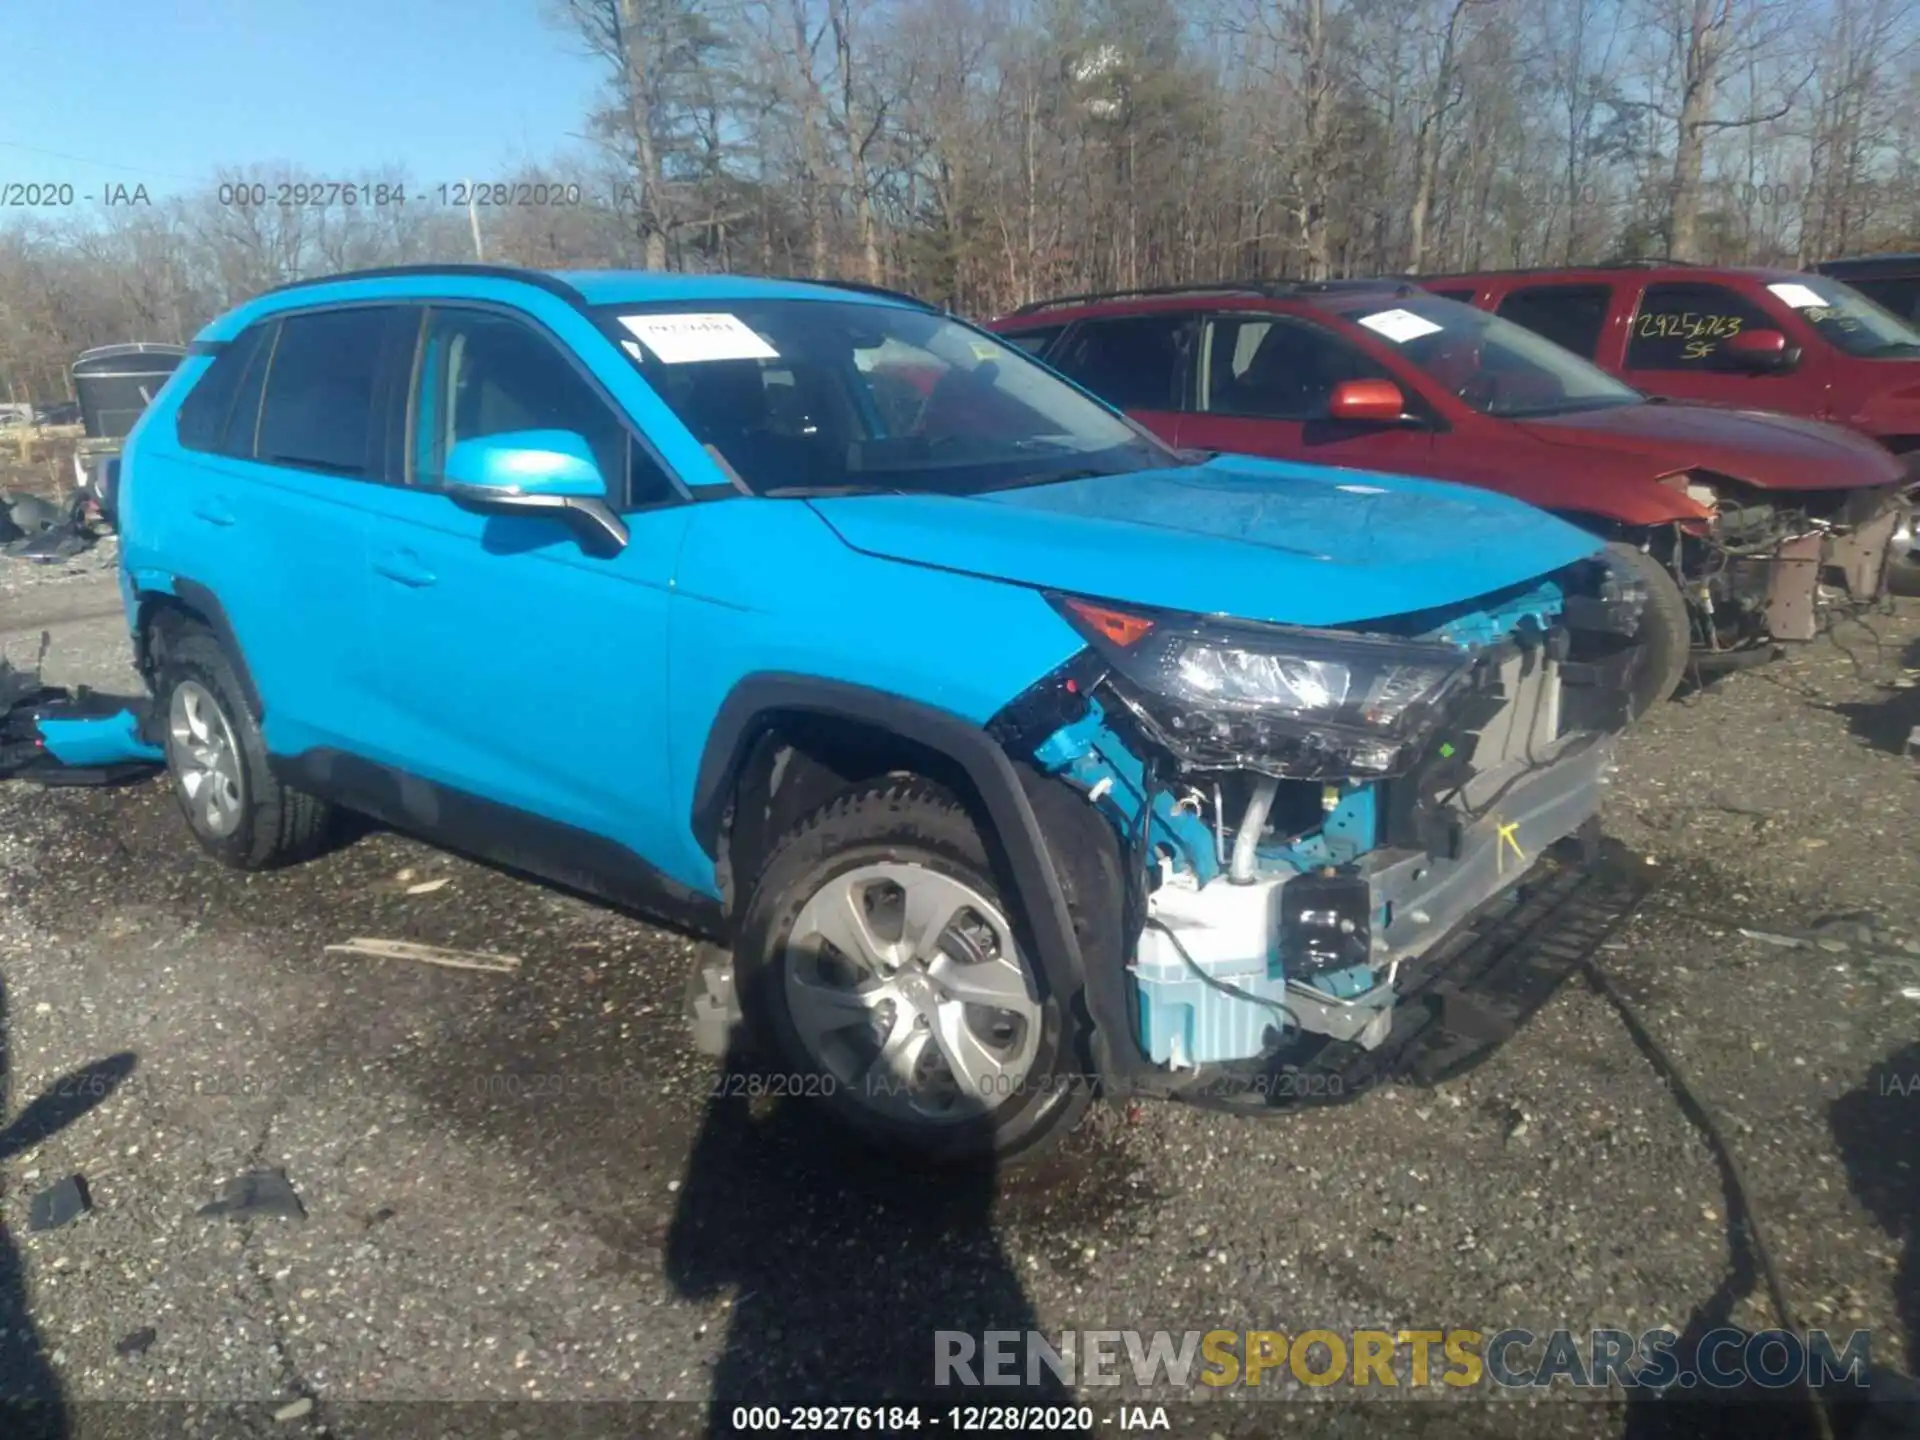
[[779, 1209], [1886, 723], [1876, 1127], [32, 1405]]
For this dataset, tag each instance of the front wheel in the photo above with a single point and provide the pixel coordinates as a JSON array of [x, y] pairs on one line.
[[1666, 628], [877, 961]]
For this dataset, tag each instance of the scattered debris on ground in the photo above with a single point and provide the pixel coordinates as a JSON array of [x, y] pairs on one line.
[[60, 1204], [258, 1192], [428, 954], [35, 528], [137, 1342]]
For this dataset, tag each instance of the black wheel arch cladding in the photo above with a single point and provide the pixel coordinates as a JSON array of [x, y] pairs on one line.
[[1006, 794], [194, 601]]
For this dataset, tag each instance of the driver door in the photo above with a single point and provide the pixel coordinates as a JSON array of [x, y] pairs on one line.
[[1264, 385], [516, 667]]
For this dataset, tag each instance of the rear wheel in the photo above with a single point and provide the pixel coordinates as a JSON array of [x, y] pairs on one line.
[[1666, 629], [878, 964], [238, 811]]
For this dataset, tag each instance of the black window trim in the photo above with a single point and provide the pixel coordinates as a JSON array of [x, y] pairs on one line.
[[635, 435]]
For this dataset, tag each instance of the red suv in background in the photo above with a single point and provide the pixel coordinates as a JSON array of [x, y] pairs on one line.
[[1800, 343], [1729, 519]]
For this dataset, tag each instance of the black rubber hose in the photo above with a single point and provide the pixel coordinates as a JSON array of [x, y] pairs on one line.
[[1697, 1111]]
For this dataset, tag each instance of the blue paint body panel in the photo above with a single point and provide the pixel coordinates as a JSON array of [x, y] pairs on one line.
[[493, 655], [97, 740], [1264, 540]]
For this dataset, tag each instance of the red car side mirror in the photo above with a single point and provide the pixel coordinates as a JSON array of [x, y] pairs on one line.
[[1759, 350], [1367, 400]]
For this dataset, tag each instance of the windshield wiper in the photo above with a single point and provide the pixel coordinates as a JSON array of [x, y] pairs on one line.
[[824, 492]]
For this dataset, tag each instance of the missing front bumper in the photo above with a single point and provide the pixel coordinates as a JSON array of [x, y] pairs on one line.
[[1210, 969]]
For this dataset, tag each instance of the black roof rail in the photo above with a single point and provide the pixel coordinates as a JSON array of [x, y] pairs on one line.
[[1649, 264], [540, 278], [1892, 259], [1271, 289], [1089, 297]]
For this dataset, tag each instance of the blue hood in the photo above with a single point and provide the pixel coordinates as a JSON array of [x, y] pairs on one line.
[[1253, 539]]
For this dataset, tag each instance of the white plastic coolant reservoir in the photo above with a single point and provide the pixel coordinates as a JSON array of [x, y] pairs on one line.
[[1231, 932]]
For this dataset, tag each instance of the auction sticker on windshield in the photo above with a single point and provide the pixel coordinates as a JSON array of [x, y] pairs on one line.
[[1399, 326], [1800, 297], [688, 339]]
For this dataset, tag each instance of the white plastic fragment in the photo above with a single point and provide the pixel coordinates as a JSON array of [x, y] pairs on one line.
[[427, 955]]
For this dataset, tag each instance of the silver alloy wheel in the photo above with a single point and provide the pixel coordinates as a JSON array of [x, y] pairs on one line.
[[205, 758], [905, 985]]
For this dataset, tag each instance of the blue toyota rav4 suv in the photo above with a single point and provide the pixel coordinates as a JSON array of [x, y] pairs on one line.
[[1007, 751]]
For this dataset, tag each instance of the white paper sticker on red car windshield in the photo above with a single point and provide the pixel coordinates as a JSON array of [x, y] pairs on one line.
[[1399, 326], [689, 339], [1800, 297]]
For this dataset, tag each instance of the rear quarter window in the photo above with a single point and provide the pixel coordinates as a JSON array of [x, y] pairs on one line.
[[202, 422]]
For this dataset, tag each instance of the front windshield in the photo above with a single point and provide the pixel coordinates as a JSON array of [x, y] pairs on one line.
[[1848, 320], [804, 396], [1496, 366]]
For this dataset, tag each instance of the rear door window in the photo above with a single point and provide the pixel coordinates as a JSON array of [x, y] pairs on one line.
[[1465, 297], [323, 390], [1680, 326], [1572, 316], [1138, 363]]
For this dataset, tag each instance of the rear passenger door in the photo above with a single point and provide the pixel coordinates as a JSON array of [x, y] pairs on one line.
[[517, 667], [1141, 364], [291, 443], [1264, 387]]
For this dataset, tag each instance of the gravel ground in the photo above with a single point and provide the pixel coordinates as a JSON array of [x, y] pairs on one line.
[[522, 1187]]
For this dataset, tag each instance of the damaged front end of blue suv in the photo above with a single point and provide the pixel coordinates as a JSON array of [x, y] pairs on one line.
[[1305, 810]]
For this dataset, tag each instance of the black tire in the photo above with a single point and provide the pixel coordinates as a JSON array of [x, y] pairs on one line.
[[912, 822], [276, 825], [1666, 638]]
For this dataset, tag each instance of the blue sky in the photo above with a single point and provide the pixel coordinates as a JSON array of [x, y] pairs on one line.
[[165, 91]]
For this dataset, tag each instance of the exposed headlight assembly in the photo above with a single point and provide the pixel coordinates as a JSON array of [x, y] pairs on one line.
[[1303, 704]]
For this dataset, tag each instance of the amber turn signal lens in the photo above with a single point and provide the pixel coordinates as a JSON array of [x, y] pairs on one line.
[[1117, 626]]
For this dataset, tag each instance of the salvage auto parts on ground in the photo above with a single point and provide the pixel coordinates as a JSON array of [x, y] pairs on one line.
[[1731, 520]]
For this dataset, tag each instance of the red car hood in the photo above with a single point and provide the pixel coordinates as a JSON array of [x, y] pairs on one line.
[[1772, 452]]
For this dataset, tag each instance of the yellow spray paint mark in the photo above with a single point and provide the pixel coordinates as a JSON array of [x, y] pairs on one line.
[[1508, 832]]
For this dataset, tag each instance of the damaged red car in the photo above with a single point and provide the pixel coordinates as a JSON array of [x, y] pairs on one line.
[[1742, 526]]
